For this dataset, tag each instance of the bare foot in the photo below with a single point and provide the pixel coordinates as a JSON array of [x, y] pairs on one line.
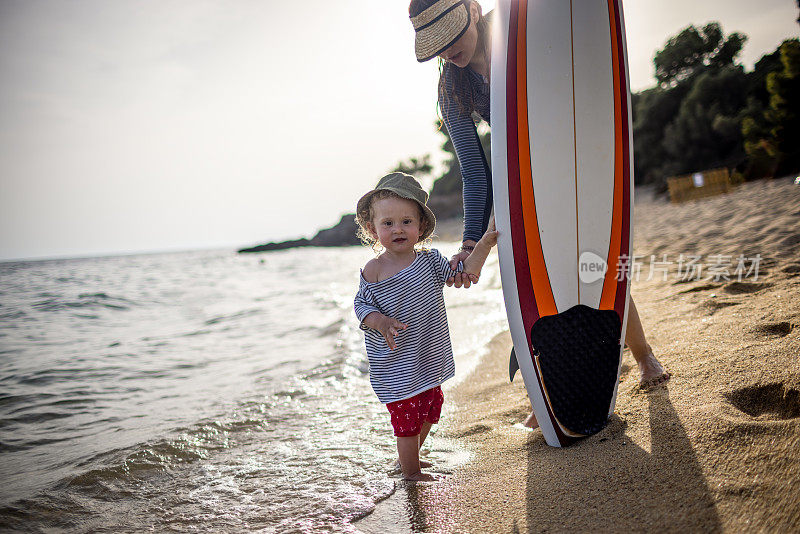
[[651, 372], [419, 476], [531, 421], [422, 464]]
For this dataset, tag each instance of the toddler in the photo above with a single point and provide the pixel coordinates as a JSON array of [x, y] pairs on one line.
[[400, 305]]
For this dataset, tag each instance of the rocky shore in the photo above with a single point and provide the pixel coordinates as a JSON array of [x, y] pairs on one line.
[[446, 207]]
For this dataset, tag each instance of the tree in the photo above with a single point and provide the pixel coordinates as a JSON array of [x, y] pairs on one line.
[[761, 161], [757, 79], [691, 120], [706, 132], [772, 131], [414, 166], [653, 110], [692, 51], [783, 114]]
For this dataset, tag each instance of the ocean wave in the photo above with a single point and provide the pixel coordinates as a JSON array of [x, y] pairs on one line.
[[187, 445], [234, 316], [84, 300]]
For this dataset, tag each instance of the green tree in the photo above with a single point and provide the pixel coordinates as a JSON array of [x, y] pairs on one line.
[[415, 166], [706, 132], [653, 110], [691, 119], [693, 51], [783, 113], [761, 152], [772, 131]]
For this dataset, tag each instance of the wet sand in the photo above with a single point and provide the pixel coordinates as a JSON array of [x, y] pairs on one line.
[[717, 449]]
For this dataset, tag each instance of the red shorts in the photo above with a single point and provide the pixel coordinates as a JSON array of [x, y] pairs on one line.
[[408, 415]]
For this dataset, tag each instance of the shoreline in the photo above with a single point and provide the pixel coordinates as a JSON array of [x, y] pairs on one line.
[[716, 449]]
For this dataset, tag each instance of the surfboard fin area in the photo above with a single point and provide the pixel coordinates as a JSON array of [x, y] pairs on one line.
[[577, 352], [513, 365]]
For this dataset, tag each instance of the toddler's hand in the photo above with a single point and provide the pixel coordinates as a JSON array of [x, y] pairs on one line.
[[390, 328]]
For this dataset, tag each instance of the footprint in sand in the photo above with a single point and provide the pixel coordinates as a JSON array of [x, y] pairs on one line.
[[474, 429], [519, 412], [712, 305], [780, 329], [695, 289], [623, 371], [738, 288], [792, 269], [775, 401]]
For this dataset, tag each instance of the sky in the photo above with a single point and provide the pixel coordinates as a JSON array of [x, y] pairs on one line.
[[150, 125]]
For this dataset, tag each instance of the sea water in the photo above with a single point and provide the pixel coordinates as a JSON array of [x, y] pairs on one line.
[[202, 391]]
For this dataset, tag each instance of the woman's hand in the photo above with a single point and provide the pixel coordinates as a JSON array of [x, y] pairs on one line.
[[461, 279]]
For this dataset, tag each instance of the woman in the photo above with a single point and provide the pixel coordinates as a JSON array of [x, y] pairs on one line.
[[457, 32]]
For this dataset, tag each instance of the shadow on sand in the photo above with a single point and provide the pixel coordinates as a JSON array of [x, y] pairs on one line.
[[603, 483], [606, 482]]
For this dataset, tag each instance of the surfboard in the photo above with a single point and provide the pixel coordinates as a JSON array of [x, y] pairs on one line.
[[563, 199]]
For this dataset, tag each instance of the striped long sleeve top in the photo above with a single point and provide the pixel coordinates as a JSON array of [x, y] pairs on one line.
[[423, 358], [475, 171]]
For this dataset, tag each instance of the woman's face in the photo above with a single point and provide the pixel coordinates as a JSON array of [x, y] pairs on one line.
[[462, 51]]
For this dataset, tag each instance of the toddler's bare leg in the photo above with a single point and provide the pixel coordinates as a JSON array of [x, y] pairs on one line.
[[408, 450], [423, 433], [426, 427]]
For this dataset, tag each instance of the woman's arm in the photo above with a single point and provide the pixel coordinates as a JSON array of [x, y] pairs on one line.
[[475, 173], [474, 263], [476, 177]]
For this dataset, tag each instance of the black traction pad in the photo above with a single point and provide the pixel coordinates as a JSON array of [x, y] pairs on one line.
[[579, 353]]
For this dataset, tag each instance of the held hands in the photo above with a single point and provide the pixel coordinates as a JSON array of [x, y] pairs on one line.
[[473, 259], [460, 279]]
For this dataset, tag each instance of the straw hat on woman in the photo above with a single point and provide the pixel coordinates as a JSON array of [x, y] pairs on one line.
[[457, 33]]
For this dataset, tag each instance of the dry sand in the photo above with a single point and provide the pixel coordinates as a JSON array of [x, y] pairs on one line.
[[717, 449]]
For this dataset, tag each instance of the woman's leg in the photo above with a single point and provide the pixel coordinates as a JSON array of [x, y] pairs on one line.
[[651, 372]]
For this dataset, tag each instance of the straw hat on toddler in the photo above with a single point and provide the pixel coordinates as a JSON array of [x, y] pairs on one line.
[[406, 187]]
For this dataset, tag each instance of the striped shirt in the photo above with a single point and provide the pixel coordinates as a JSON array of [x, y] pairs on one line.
[[475, 171], [423, 358]]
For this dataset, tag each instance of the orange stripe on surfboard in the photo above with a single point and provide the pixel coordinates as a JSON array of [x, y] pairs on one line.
[[539, 279], [610, 283]]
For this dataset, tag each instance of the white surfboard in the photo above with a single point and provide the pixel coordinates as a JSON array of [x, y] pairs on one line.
[[563, 197]]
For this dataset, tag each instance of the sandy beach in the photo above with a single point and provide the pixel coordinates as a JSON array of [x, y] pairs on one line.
[[717, 449]]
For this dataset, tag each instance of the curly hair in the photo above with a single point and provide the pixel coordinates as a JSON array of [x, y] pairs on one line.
[[365, 216]]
